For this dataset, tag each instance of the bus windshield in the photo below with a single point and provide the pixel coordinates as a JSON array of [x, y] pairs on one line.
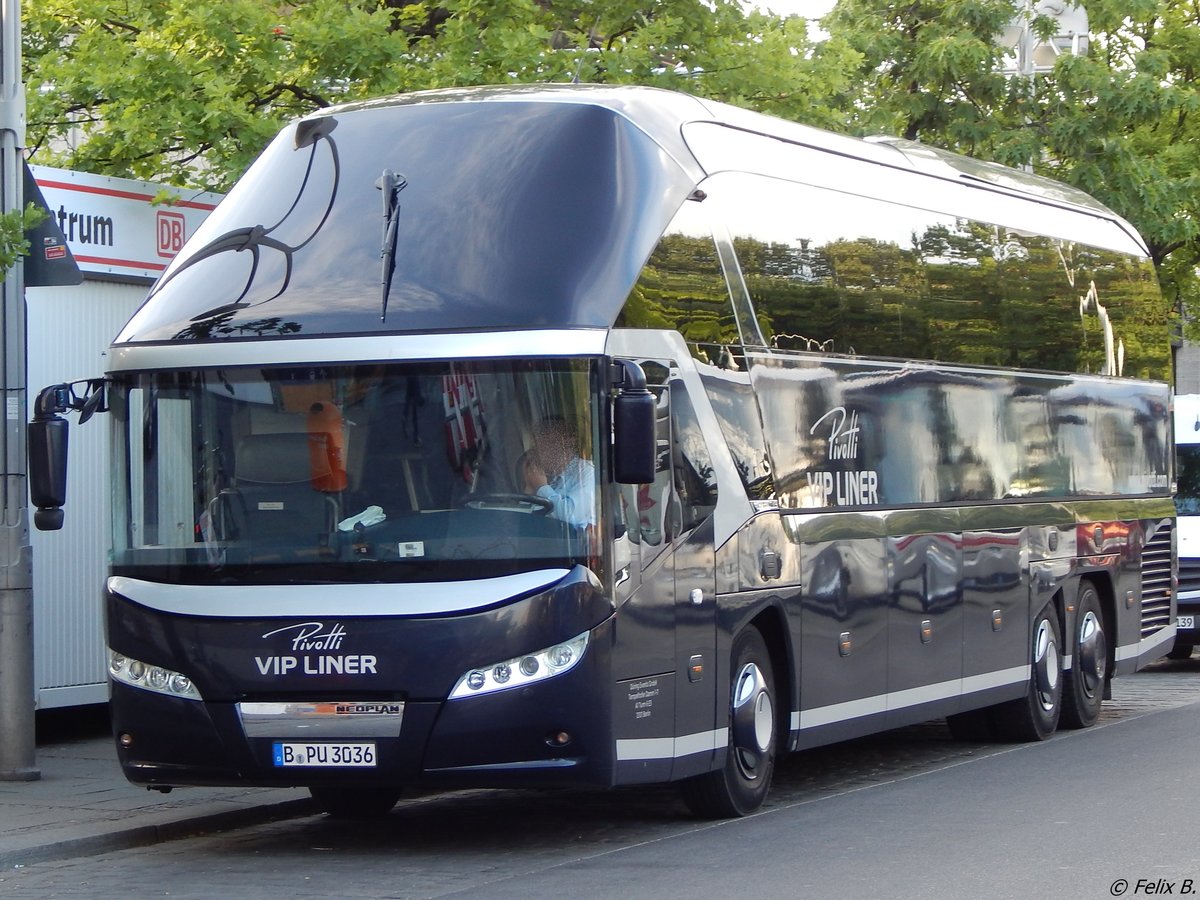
[[360, 473]]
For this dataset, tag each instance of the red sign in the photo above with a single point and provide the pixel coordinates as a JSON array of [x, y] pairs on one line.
[[172, 231]]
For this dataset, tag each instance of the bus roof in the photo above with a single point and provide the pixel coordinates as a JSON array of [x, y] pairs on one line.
[[507, 208]]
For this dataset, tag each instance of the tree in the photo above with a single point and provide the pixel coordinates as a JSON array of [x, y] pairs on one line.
[[927, 69], [13, 227], [1120, 122], [1123, 123], [189, 91]]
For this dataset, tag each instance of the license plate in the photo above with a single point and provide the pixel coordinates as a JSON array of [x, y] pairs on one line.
[[352, 755], [1188, 622]]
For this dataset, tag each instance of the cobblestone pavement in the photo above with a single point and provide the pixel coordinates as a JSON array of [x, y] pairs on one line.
[[469, 841]]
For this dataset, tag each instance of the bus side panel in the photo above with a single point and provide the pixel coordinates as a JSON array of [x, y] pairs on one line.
[[844, 647], [995, 612], [698, 729], [925, 615]]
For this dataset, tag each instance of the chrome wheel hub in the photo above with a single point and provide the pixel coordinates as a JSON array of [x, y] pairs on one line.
[[1046, 665], [1092, 653], [753, 721]]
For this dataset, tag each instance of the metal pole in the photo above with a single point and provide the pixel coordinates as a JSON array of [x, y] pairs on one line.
[[17, 745]]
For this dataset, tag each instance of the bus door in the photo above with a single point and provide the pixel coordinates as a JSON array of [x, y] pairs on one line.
[[644, 650], [664, 711], [695, 497]]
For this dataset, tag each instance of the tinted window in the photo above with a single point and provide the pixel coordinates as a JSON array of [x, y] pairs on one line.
[[845, 433], [650, 511], [737, 410], [372, 473], [507, 219], [695, 479], [836, 272], [682, 288]]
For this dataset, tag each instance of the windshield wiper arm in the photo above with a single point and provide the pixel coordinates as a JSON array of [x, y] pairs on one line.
[[391, 183]]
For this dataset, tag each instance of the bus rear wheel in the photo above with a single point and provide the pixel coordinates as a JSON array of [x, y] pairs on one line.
[[355, 802], [1035, 716], [740, 786], [1083, 691]]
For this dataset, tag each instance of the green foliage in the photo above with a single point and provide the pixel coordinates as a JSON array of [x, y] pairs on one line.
[[189, 91], [13, 243], [1121, 122], [927, 70]]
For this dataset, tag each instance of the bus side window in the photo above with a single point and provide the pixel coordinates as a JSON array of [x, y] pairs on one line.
[[683, 288], [654, 499], [695, 478], [647, 507]]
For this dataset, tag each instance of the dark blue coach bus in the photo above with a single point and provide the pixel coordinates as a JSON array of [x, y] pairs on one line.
[[594, 436]]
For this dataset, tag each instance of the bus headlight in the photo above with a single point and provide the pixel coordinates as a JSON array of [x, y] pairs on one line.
[[522, 670], [138, 674]]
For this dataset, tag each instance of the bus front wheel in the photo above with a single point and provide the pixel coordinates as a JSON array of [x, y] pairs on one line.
[[740, 786]]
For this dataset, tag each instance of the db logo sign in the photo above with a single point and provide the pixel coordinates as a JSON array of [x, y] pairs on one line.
[[171, 233]]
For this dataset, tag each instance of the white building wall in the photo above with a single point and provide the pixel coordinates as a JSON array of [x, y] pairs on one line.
[[122, 236], [70, 329], [1187, 369]]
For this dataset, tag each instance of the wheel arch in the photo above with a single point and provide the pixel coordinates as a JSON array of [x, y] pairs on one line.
[[772, 625]]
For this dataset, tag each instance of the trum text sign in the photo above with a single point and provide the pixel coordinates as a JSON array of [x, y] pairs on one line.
[[113, 226]]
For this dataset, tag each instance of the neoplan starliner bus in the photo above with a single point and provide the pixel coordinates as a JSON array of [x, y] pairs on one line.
[[842, 423]]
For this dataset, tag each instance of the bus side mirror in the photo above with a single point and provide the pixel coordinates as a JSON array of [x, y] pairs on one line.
[[633, 427], [46, 445]]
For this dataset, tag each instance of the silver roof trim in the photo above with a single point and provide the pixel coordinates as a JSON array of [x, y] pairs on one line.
[[249, 601], [357, 349]]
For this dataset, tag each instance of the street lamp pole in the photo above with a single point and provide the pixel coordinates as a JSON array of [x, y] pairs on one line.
[[17, 744]]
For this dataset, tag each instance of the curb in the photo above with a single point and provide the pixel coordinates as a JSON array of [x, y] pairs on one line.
[[146, 835]]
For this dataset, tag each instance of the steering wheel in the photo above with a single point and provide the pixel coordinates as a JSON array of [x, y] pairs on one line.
[[526, 503]]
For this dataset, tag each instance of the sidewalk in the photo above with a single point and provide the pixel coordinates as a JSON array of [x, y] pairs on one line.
[[83, 805]]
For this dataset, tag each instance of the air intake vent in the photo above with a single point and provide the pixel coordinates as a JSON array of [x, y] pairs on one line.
[[1156, 579]]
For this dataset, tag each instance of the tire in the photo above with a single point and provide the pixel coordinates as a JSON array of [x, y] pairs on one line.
[[1035, 716], [1083, 687], [1181, 650], [355, 802], [740, 786]]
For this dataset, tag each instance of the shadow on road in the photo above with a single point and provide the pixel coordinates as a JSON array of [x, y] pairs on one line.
[[72, 723]]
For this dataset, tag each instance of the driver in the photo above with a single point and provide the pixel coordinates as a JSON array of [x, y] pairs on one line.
[[555, 471]]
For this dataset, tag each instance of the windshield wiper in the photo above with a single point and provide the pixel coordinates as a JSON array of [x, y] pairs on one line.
[[391, 183]]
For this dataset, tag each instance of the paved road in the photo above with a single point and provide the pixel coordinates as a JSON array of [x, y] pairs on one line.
[[908, 814]]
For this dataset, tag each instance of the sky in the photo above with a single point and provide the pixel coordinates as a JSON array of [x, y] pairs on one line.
[[810, 9]]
